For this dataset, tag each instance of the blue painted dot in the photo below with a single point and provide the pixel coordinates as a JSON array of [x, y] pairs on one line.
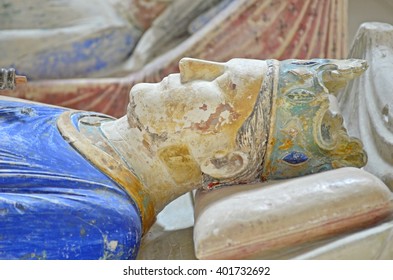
[[295, 158]]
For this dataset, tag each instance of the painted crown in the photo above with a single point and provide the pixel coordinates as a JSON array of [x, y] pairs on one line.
[[307, 135]]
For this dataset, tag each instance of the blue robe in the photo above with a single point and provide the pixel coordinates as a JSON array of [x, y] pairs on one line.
[[54, 204]]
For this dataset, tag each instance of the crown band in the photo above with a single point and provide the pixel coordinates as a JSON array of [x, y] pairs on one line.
[[305, 137]]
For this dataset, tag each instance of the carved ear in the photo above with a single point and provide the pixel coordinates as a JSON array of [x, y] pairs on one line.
[[196, 69], [224, 166]]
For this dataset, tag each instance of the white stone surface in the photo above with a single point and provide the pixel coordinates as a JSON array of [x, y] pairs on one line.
[[367, 104], [171, 236], [178, 214], [371, 244], [266, 220]]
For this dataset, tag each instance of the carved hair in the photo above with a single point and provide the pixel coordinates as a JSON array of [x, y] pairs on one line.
[[253, 135]]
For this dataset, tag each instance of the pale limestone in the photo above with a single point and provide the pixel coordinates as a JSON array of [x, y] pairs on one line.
[[268, 220], [370, 244], [171, 236], [366, 103]]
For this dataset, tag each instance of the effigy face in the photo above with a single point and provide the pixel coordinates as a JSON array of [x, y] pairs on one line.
[[198, 113], [248, 120]]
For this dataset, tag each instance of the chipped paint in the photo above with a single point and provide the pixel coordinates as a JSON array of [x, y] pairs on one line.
[[224, 115]]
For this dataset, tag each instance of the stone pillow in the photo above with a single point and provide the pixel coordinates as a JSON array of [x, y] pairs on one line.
[[266, 219]]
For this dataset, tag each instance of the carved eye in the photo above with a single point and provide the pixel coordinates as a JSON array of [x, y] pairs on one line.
[[300, 95], [305, 63], [295, 158]]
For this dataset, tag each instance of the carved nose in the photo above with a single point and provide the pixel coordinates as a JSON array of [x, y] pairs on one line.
[[196, 69]]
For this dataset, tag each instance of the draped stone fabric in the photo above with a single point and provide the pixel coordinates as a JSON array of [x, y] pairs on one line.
[[366, 103]]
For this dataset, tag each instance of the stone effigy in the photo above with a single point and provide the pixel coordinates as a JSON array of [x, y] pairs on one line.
[[83, 185], [48, 39], [254, 29]]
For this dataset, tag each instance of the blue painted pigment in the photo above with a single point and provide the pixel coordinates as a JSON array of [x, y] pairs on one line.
[[53, 203], [295, 158]]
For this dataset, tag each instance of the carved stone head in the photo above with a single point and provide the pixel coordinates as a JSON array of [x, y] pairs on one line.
[[246, 119]]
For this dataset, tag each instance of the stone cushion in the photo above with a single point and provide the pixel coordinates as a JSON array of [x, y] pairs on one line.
[[264, 220]]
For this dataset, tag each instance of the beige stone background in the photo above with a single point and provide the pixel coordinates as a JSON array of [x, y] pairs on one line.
[[367, 10]]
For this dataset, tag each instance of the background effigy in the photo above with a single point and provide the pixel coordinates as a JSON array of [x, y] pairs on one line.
[[216, 30]]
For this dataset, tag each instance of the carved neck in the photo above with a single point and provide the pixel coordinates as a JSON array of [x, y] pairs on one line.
[[148, 162]]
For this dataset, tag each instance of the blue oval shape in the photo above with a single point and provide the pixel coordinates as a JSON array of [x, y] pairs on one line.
[[295, 158]]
